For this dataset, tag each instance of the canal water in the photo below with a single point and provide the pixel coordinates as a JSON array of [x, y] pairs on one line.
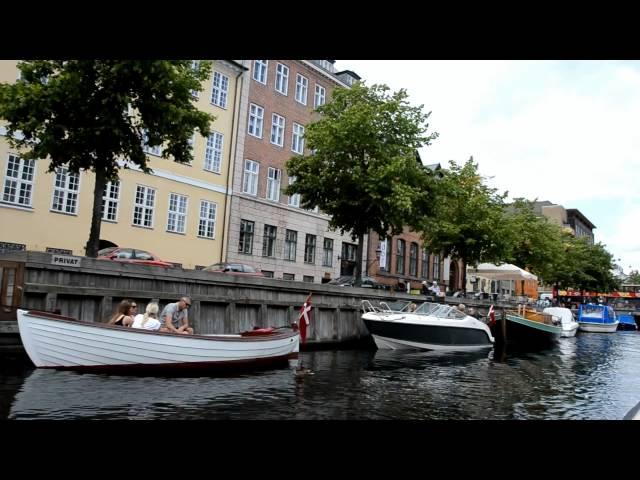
[[591, 376]]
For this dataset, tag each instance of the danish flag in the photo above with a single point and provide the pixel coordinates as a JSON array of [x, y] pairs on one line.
[[492, 317], [303, 319]]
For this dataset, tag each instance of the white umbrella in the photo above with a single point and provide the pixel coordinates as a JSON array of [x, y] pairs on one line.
[[506, 271]]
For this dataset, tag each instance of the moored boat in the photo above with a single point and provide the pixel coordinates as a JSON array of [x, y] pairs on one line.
[[627, 322], [431, 326], [57, 341], [597, 318], [567, 322], [526, 327]]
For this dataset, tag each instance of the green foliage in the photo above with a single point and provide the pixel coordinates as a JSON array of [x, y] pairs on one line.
[[467, 222], [87, 114], [363, 170], [634, 278]]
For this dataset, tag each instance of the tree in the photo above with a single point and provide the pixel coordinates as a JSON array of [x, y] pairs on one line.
[[534, 243], [468, 223], [363, 170], [88, 114], [634, 277]]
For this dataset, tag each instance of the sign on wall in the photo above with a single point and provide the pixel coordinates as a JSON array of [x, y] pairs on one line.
[[65, 260]]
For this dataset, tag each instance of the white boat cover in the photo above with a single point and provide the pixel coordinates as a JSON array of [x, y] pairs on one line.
[[566, 317]]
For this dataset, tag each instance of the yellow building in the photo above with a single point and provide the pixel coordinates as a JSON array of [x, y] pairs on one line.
[[180, 212]]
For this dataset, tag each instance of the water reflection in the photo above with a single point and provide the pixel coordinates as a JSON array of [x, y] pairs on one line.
[[591, 376]]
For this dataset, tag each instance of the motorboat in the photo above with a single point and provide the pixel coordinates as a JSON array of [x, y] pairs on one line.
[[567, 321], [428, 326], [627, 322], [57, 341], [527, 327], [597, 318]]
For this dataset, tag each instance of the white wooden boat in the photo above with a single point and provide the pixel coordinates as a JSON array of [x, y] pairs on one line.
[[56, 341]]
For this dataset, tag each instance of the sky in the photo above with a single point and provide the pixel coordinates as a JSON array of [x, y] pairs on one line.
[[564, 131]]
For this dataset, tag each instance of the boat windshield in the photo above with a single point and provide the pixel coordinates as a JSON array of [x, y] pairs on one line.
[[592, 311], [441, 311]]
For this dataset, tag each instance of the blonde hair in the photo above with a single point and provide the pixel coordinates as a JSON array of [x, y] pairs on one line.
[[150, 312]]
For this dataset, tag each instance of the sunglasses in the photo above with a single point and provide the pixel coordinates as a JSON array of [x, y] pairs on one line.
[[187, 304], [134, 306]]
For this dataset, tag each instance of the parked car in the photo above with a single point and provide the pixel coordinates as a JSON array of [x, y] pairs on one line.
[[367, 282], [132, 255], [234, 269]]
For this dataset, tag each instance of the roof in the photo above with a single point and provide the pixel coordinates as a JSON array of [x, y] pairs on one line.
[[350, 73], [576, 213]]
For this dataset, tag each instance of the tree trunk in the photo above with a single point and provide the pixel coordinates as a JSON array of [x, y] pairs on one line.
[[463, 266], [93, 244], [357, 274]]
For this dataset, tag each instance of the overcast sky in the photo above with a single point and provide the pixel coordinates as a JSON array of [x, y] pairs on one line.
[[563, 131]]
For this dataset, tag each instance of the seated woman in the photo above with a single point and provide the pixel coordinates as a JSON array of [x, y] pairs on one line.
[[124, 314], [149, 321]]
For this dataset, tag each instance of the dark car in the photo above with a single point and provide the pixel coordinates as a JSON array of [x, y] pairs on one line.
[[367, 282], [132, 255], [235, 269]]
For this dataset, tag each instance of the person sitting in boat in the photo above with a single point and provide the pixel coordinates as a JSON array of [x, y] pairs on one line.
[[462, 307], [124, 314], [149, 321], [412, 307], [175, 316]]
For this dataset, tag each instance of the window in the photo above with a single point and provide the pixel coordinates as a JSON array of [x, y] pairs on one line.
[[260, 71], [256, 114], [65, 191], [250, 182], [207, 223], [246, 237], [110, 199], [267, 273], [320, 96], [277, 129], [269, 241], [327, 253], [310, 249], [307, 278], [294, 200], [213, 152], [425, 263], [220, 90], [195, 66], [282, 79], [155, 150], [288, 276], [436, 267], [400, 257], [176, 219], [290, 243], [273, 184], [413, 259], [297, 139], [18, 182], [143, 208], [302, 86]]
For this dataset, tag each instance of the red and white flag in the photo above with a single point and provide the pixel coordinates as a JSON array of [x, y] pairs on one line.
[[303, 319], [492, 316]]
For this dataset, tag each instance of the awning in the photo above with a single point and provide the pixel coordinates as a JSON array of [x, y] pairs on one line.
[[506, 271]]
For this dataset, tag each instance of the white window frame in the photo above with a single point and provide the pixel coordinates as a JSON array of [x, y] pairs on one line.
[[207, 220], [320, 97], [256, 120], [177, 213], [66, 186], [278, 125], [219, 90], [297, 138], [111, 201], [294, 200], [302, 89], [145, 211], [22, 187], [195, 66], [157, 150], [260, 71], [213, 152], [282, 79], [250, 177], [274, 178]]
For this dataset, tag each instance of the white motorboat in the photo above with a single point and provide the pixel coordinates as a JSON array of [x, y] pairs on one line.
[[431, 326], [569, 324]]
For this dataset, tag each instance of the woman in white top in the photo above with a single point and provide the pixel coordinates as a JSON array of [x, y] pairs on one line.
[[148, 321]]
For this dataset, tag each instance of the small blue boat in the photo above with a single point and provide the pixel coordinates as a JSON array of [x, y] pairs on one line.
[[627, 322], [597, 318]]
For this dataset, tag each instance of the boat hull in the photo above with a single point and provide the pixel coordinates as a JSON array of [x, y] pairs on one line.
[[524, 332], [398, 336], [598, 327], [54, 341]]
